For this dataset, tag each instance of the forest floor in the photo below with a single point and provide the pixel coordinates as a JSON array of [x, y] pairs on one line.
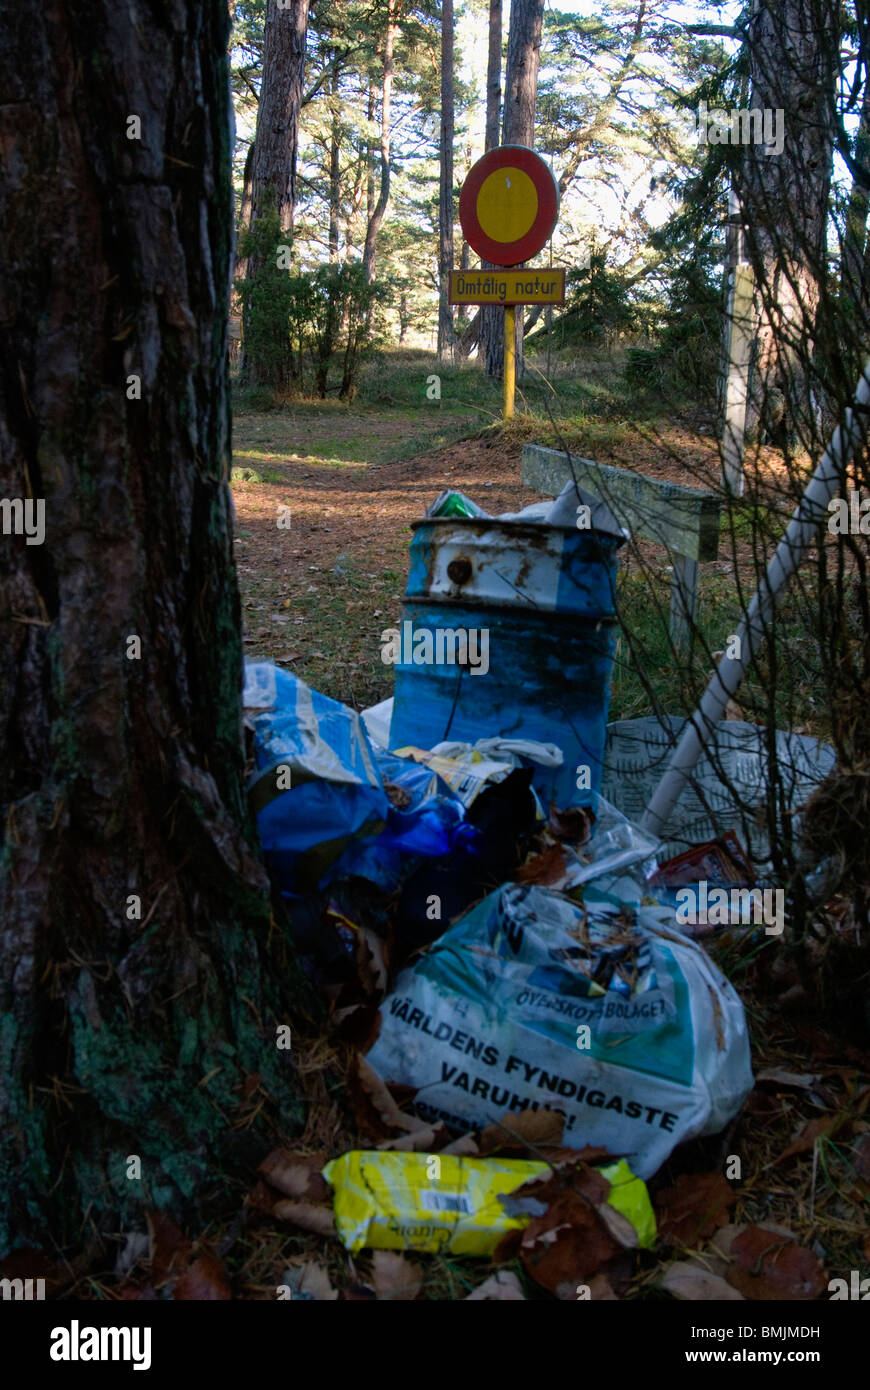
[[316, 598], [318, 595]]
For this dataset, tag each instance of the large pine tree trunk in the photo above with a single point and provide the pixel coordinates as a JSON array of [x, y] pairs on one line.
[[276, 145], [520, 100], [521, 74], [853, 265], [140, 981], [277, 142], [334, 165], [784, 201], [376, 216], [445, 204], [491, 320], [241, 266]]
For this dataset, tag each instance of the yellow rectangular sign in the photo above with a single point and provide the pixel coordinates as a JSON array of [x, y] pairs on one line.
[[507, 287]]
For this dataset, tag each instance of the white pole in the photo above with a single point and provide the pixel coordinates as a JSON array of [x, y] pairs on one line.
[[802, 528]]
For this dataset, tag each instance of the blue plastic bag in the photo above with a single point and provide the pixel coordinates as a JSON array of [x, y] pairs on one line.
[[323, 812], [316, 787]]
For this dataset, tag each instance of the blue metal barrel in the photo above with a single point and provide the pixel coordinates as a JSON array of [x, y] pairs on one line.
[[536, 604]]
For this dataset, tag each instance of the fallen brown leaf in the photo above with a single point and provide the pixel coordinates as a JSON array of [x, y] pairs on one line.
[[371, 959], [806, 1137], [309, 1217], [315, 1281], [206, 1280], [297, 1175], [693, 1207], [429, 1139], [769, 1266], [502, 1287], [169, 1247], [691, 1281], [619, 1226], [576, 1177], [566, 1247], [549, 867], [394, 1277], [574, 825], [465, 1144], [803, 1081], [601, 1290], [376, 1111], [520, 1131]]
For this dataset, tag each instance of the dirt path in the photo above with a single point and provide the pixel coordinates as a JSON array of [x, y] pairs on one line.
[[317, 596]]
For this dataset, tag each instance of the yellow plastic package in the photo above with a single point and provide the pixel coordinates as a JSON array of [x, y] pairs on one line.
[[389, 1200]]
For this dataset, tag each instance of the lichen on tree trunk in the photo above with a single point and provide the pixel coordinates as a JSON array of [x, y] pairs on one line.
[[141, 975]]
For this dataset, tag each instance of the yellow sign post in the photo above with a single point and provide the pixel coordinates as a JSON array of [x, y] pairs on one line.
[[510, 360], [508, 208]]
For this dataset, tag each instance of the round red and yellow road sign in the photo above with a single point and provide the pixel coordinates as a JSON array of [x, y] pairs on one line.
[[509, 205]]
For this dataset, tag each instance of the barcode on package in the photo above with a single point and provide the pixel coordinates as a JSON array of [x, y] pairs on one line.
[[446, 1201]]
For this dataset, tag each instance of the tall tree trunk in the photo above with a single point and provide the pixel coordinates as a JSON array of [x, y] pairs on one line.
[[276, 144], [784, 200], [445, 205], [241, 268], [380, 207], [334, 169], [462, 317], [490, 323], [520, 99], [140, 985], [853, 283], [277, 139], [493, 74], [521, 74], [370, 155]]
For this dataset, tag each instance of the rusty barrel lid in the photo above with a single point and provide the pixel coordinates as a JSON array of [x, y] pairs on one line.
[[485, 562]]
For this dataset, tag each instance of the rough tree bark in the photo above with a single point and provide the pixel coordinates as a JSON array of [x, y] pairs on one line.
[[241, 269], [371, 109], [784, 202], [520, 99], [140, 978], [853, 272], [490, 321], [521, 74], [276, 143], [276, 146], [446, 337], [334, 166], [377, 213], [493, 74]]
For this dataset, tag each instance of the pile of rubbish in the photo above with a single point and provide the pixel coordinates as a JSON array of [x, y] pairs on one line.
[[503, 944]]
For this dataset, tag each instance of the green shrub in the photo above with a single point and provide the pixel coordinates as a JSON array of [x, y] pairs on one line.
[[297, 323]]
